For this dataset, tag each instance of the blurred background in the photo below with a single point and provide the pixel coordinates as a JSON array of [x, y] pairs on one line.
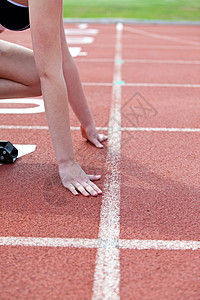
[[180, 10]]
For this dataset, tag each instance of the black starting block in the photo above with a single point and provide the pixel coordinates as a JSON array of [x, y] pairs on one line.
[[8, 153]]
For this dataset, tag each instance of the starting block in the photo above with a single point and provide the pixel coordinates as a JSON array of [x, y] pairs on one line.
[[8, 153]]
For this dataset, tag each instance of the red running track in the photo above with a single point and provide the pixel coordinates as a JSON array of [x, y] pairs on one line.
[[159, 183]]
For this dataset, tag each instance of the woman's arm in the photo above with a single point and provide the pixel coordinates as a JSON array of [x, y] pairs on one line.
[[45, 18], [76, 94], [45, 31]]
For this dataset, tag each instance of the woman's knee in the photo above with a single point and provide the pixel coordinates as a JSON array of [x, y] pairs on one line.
[[36, 90], [18, 64]]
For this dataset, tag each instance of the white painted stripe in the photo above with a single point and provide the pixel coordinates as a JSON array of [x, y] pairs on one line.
[[104, 60], [177, 85], [23, 127], [97, 243], [30, 110], [160, 36], [80, 40], [159, 129], [48, 242], [159, 245], [141, 61], [107, 270], [24, 149], [82, 31], [139, 46], [75, 51], [163, 61], [83, 26]]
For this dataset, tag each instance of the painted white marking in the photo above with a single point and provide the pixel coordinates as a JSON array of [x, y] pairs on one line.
[[176, 85], [104, 60], [160, 36], [24, 149], [139, 46], [107, 270], [75, 31], [75, 51], [159, 245], [48, 242], [163, 61], [83, 26], [161, 47], [96, 243], [142, 61], [159, 129], [23, 127], [31, 110], [83, 54], [80, 40]]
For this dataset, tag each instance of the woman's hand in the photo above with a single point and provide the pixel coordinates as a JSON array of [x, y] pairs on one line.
[[73, 177], [90, 133]]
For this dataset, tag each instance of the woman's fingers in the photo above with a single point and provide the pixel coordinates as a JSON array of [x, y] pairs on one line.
[[80, 188], [97, 143], [88, 186], [95, 187], [93, 137], [72, 189], [85, 188], [102, 137], [94, 177]]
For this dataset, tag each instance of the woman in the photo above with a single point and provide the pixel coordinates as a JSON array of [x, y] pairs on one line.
[[48, 70]]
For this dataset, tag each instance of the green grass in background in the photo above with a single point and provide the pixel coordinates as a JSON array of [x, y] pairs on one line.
[[188, 10]]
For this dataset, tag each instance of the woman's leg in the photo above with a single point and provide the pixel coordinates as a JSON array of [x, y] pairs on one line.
[[18, 73]]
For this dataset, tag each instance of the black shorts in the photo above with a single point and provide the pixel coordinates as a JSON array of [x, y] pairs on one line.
[[14, 17]]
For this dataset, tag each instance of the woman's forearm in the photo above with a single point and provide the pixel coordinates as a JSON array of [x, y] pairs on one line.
[[57, 113], [76, 94]]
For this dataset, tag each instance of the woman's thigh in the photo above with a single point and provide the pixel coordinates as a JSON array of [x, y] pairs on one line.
[[17, 64]]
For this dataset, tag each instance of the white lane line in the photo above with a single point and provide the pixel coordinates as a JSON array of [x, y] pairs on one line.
[[102, 244], [82, 31], [140, 46], [23, 127], [107, 270], [39, 108], [159, 244], [176, 85], [163, 61], [48, 242], [141, 61], [80, 40], [83, 26], [160, 36], [159, 129]]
